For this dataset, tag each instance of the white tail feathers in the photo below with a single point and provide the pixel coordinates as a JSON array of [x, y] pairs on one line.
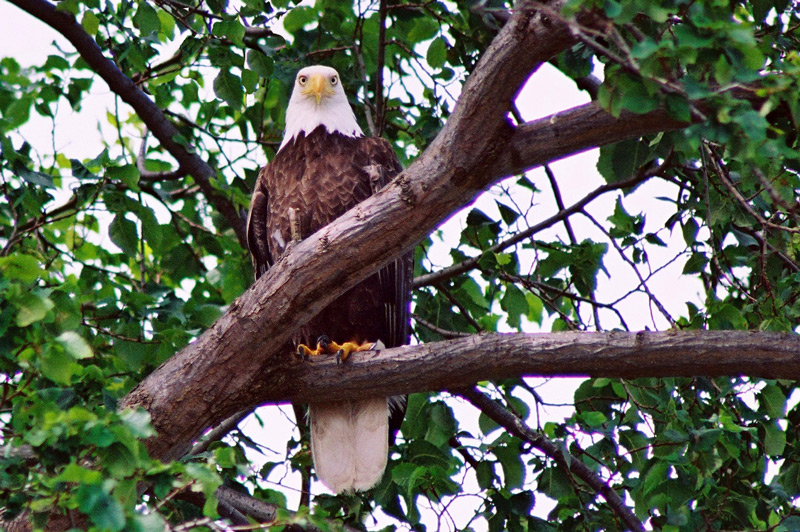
[[350, 443]]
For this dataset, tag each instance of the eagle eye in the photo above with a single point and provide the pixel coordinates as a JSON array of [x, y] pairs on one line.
[[334, 80], [302, 80]]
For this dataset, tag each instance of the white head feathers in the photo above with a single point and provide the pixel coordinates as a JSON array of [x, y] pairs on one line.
[[318, 99]]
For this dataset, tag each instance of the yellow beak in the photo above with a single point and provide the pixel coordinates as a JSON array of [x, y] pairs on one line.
[[318, 87]]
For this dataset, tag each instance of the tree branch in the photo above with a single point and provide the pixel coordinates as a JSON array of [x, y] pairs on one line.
[[464, 361], [518, 428], [164, 130], [220, 431], [267, 513]]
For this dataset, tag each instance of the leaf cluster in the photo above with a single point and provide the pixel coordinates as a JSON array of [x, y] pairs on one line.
[[109, 264]]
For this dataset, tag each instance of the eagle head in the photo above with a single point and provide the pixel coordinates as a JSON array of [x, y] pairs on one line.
[[318, 82], [318, 99]]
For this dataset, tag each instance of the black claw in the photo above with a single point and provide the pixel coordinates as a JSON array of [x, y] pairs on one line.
[[339, 354], [323, 341], [302, 354]]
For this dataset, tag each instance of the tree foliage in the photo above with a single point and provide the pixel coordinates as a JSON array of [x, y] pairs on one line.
[[112, 264]]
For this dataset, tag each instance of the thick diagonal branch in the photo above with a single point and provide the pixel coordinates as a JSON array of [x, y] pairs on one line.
[[164, 130]]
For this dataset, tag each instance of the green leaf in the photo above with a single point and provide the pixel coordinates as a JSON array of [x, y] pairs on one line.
[[17, 113], [593, 419], [487, 424], [75, 345], [148, 522], [774, 439], [228, 87], [128, 174], [146, 19], [39, 179], [513, 468], [167, 23], [21, 267], [535, 308], [620, 161], [437, 53], [554, 483], [644, 48], [104, 510], [75, 473], [90, 22], [249, 81], [225, 456], [423, 29], [753, 125], [122, 232], [508, 214], [260, 63], [58, 366], [790, 524], [727, 317], [232, 29], [654, 478], [515, 303], [690, 229], [298, 17], [485, 474], [32, 307], [696, 263], [773, 400], [138, 422]]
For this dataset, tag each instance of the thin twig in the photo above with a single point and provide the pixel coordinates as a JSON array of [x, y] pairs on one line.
[[219, 432], [147, 175], [444, 333], [519, 429], [570, 232], [471, 263], [373, 130], [379, 110], [455, 302]]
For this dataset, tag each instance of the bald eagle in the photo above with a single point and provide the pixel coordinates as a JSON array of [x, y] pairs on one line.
[[324, 166]]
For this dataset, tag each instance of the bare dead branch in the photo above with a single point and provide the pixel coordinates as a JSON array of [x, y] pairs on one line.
[[463, 361]]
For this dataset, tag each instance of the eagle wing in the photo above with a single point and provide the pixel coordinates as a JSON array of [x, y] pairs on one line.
[[257, 240], [300, 178]]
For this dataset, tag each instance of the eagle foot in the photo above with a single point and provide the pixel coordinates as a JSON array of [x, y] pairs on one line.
[[326, 346], [322, 347]]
